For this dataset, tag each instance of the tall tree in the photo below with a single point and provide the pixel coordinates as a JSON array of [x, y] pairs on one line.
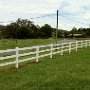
[[73, 31], [21, 29], [46, 31]]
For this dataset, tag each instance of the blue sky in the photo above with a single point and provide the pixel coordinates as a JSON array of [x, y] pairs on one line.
[[78, 10]]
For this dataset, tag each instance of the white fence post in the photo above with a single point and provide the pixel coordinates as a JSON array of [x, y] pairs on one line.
[[70, 44], [62, 49], [37, 53], [85, 43], [17, 55], [76, 45], [81, 44], [89, 42], [51, 50]]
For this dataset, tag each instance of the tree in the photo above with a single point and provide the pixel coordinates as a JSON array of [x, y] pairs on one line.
[[73, 31], [46, 31], [2, 31], [21, 29], [88, 32], [82, 31]]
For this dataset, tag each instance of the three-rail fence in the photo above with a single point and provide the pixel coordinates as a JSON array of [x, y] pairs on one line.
[[18, 55]]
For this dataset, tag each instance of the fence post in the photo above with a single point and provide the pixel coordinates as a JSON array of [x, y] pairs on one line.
[[89, 42], [70, 47], [51, 50], [85, 43], [62, 49], [76, 45], [37, 53], [17, 55], [81, 44]]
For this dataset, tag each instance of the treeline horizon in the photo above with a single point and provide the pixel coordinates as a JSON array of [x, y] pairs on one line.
[[26, 29]]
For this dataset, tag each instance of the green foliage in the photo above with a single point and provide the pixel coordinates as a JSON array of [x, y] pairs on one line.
[[25, 29], [2, 30], [74, 30], [21, 29], [63, 33], [85, 32], [46, 31]]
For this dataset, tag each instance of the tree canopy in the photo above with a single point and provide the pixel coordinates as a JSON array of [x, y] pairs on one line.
[[26, 29]]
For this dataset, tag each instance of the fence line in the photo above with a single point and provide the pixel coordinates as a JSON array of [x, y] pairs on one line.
[[37, 52]]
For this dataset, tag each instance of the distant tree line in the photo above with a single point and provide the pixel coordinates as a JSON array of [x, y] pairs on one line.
[[81, 32], [25, 29]]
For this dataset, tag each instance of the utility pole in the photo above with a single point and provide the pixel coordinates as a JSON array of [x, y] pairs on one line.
[[57, 26]]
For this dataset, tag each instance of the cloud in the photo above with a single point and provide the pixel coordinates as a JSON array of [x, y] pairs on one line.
[[78, 10], [28, 6]]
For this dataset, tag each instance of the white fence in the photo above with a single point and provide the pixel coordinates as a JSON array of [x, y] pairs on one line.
[[12, 56]]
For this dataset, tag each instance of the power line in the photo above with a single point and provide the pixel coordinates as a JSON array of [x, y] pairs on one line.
[[73, 20], [42, 16], [49, 15]]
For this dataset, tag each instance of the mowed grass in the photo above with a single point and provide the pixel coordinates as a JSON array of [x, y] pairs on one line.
[[12, 43], [67, 72]]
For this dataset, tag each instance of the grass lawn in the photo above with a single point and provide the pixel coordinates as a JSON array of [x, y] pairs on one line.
[[11, 43], [67, 72]]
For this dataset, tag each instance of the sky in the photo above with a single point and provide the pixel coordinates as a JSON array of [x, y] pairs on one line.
[[72, 13]]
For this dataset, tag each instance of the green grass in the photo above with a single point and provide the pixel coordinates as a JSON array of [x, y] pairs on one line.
[[11, 43], [67, 72]]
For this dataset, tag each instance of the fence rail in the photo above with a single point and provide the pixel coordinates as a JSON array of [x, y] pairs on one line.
[[36, 52]]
